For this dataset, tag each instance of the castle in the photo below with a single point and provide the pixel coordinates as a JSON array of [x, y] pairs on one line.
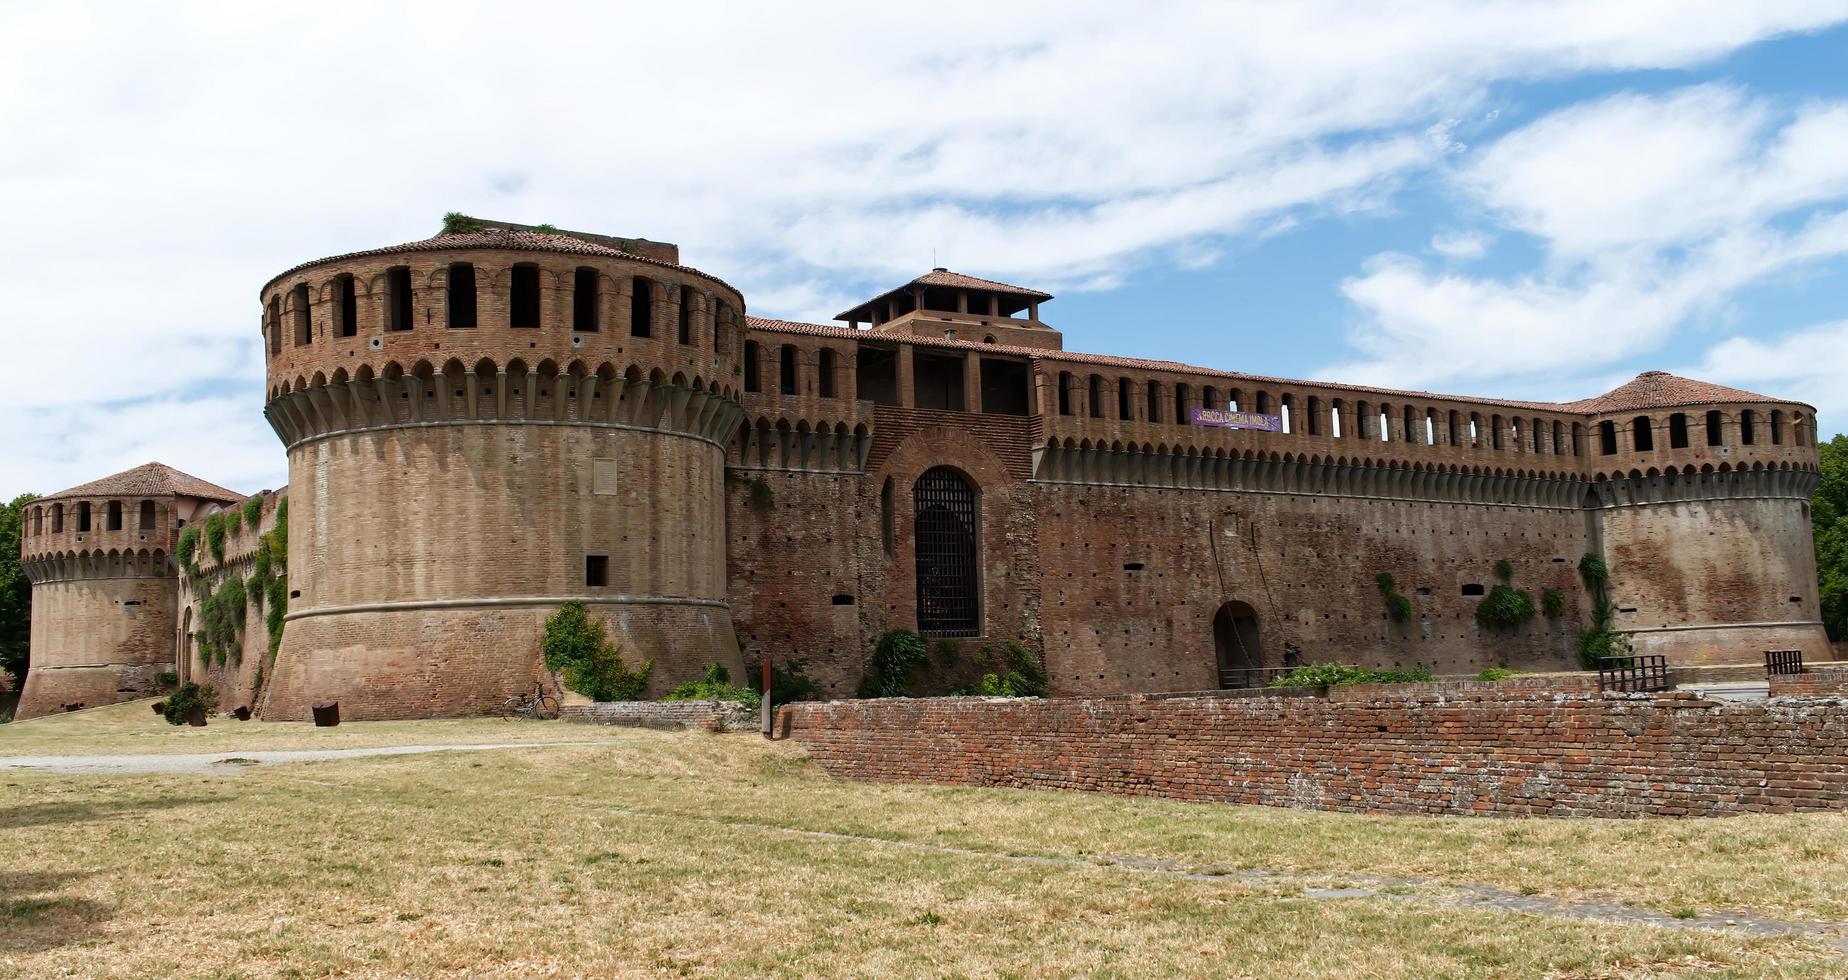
[[483, 425]]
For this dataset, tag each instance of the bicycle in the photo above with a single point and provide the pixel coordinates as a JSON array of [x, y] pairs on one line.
[[538, 705]]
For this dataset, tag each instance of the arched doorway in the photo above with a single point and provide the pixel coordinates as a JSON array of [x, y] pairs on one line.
[[949, 587], [1235, 646]]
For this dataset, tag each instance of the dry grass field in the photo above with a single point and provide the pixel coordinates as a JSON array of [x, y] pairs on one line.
[[648, 853]]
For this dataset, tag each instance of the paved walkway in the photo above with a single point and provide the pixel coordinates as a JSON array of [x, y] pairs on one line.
[[234, 763]]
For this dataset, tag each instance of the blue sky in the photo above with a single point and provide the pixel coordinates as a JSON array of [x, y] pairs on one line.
[[1531, 200]]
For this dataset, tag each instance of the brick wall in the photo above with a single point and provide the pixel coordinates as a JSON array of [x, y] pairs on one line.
[[712, 716], [1813, 682], [1464, 748]]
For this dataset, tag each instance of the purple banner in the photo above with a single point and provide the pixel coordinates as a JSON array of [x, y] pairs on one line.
[[1227, 419]]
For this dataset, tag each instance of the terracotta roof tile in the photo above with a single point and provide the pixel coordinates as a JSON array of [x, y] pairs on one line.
[[1652, 389], [150, 480], [955, 280], [500, 238]]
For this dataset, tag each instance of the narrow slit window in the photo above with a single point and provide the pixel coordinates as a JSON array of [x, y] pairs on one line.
[[1642, 434], [147, 515], [1716, 428], [686, 315], [827, 369], [641, 307], [349, 307], [786, 370], [750, 366], [1607, 438], [1748, 427], [115, 515], [1678, 431], [304, 326], [398, 286]]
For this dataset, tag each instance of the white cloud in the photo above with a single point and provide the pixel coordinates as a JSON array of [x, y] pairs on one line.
[[1654, 211], [1808, 365], [159, 163], [1460, 245]]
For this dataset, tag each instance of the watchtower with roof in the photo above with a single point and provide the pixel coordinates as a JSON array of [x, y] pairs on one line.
[[482, 426], [104, 592], [953, 306]]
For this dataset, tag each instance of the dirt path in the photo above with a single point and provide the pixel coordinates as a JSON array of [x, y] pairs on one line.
[[235, 763]]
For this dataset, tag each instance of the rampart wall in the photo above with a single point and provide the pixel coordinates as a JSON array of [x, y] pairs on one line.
[[1466, 748]]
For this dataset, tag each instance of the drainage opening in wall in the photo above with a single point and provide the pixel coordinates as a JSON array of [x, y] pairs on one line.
[[1473, 588], [843, 599], [1134, 566]]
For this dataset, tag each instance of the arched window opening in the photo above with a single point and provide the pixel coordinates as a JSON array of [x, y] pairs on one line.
[[304, 327], [686, 315], [1642, 434], [1264, 403], [523, 299], [398, 305], [1409, 418], [115, 515], [826, 381], [1209, 397], [1335, 429], [586, 299], [948, 596], [349, 306], [750, 366], [1065, 393], [1716, 428], [1123, 409], [1536, 429], [1678, 430], [1430, 427], [786, 370], [1363, 421], [1748, 427], [38, 521], [273, 326], [147, 515], [1180, 404], [1314, 418], [1235, 647], [57, 518], [1578, 438], [1456, 431], [1495, 431], [83, 516], [461, 296], [1607, 438], [721, 338], [1777, 427], [1385, 425], [1475, 430], [1284, 410], [641, 307], [1154, 400], [1559, 437], [1097, 397], [887, 528], [1799, 430]]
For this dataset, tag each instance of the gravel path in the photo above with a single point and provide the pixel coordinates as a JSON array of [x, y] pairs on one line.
[[235, 763]]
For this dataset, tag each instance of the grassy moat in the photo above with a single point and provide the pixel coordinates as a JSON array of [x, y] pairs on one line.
[[647, 852]]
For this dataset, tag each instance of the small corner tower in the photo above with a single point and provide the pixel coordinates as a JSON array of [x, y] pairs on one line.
[[104, 591], [953, 306]]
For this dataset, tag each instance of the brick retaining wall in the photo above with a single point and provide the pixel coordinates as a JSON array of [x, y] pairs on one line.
[[1509, 749], [1815, 681], [713, 716]]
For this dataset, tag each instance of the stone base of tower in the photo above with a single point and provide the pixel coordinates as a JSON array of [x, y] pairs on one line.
[[1704, 646], [460, 659], [51, 690]]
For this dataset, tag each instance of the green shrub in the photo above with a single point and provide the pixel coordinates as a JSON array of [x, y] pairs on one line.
[[579, 650], [896, 656], [166, 678], [1600, 641], [1329, 675], [457, 223], [1021, 676], [1397, 605], [215, 536], [548, 229], [1594, 572], [1505, 607], [1504, 570], [1553, 603], [253, 512], [788, 681], [1498, 673], [189, 696], [222, 618], [715, 686], [186, 549], [278, 606]]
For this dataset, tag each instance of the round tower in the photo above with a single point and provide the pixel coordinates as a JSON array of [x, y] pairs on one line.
[[1701, 503], [480, 427], [104, 592]]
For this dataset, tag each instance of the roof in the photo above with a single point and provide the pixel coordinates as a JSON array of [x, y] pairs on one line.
[[954, 280], [150, 480], [511, 239], [1651, 389], [1659, 389]]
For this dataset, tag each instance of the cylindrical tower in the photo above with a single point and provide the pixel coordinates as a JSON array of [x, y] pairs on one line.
[[481, 427], [1701, 502], [104, 591]]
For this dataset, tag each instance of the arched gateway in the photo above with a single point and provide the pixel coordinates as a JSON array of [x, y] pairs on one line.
[[1235, 646]]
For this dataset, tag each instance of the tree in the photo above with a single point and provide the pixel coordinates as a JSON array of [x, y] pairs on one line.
[[1829, 514], [15, 592]]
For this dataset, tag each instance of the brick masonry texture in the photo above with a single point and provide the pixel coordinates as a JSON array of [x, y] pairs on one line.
[[1467, 748], [1813, 682], [709, 716], [720, 488]]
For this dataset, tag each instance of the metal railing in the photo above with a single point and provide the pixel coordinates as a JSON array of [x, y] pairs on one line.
[[1634, 674], [1783, 662]]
